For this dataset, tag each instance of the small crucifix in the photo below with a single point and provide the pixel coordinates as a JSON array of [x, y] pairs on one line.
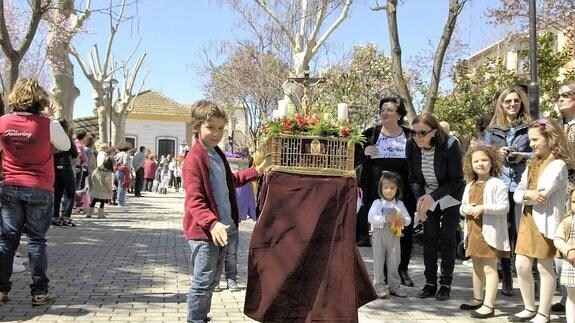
[[306, 82]]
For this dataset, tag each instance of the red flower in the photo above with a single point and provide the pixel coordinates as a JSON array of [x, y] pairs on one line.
[[313, 120], [344, 132], [287, 126], [301, 121]]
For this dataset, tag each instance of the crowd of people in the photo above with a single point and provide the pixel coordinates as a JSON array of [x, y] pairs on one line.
[[513, 188], [48, 171]]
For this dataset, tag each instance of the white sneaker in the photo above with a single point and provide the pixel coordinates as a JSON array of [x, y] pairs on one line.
[[20, 260], [399, 292], [18, 268], [468, 263], [382, 291]]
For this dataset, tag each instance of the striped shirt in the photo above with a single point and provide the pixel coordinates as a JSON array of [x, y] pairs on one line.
[[431, 183]]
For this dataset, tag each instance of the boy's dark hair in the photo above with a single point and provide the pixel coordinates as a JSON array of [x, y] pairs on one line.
[[394, 178], [80, 134], [202, 111]]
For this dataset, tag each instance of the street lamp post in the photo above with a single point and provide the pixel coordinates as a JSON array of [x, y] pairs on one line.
[[111, 84], [533, 85]]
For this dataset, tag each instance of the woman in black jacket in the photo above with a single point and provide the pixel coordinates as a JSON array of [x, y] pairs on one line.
[[385, 151], [436, 180], [64, 182]]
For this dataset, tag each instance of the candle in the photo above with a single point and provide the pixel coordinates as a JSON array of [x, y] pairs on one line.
[[282, 108], [342, 111]]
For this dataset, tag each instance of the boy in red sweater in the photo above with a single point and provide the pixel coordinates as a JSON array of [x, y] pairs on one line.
[[210, 207]]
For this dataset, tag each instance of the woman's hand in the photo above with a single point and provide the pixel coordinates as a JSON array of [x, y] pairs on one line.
[[535, 195], [423, 205], [571, 256], [371, 151]]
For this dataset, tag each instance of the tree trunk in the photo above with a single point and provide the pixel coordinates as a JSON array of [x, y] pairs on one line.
[[103, 127], [118, 127], [454, 10], [64, 92], [398, 78]]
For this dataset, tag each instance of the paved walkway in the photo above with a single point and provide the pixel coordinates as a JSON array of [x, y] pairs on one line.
[[132, 267]]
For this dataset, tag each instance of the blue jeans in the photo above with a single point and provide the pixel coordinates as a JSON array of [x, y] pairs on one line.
[[207, 261], [33, 208], [121, 195], [231, 260]]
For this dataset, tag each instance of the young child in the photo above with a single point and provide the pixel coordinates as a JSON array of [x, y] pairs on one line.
[[485, 205], [210, 208], [385, 213], [103, 185], [542, 192], [565, 243]]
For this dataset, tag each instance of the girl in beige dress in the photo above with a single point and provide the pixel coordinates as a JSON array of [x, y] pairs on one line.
[[542, 193], [484, 205]]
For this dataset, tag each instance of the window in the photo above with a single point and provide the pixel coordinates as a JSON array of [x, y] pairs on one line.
[[166, 146], [132, 141]]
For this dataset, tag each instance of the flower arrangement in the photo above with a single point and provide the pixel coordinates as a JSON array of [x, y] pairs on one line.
[[396, 223], [313, 125]]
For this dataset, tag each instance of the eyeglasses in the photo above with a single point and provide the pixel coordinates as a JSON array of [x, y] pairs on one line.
[[421, 133], [509, 101], [566, 95]]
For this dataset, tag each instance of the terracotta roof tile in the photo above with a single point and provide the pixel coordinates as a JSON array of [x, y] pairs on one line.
[[152, 102]]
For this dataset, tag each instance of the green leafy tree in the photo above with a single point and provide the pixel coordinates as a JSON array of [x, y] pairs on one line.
[[249, 78], [359, 80], [550, 63], [471, 95]]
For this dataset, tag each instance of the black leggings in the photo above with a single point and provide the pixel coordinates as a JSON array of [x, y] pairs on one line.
[[93, 203]]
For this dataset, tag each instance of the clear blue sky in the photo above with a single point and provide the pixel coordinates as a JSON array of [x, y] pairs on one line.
[[174, 32]]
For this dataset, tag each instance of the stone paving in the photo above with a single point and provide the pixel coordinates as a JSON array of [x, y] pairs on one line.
[[133, 267]]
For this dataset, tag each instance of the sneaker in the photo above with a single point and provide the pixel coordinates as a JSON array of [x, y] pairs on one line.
[[219, 288], [56, 222], [382, 291], [44, 299], [233, 285], [3, 298], [18, 268], [398, 292], [20, 260]]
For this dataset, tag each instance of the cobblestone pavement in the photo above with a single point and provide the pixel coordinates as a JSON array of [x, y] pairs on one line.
[[132, 267]]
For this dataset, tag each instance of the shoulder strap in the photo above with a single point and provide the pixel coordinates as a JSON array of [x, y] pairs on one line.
[[374, 134]]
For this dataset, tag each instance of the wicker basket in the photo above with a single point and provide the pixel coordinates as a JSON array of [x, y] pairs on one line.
[[311, 155]]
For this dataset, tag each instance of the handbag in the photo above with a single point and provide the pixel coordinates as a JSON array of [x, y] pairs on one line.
[[362, 169]]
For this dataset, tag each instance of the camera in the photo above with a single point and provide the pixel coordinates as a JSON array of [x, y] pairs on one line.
[[510, 156]]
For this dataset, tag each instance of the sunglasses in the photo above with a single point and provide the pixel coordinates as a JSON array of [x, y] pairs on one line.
[[566, 95], [421, 133], [509, 101]]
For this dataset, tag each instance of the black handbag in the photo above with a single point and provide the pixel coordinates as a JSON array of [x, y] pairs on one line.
[[362, 169]]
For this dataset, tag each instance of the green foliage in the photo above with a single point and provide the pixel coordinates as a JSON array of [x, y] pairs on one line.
[[359, 80], [473, 89], [549, 63], [471, 95], [315, 125]]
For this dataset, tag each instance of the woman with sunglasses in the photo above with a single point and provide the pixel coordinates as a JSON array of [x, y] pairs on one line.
[[436, 180], [566, 106], [385, 151], [508, 132]]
